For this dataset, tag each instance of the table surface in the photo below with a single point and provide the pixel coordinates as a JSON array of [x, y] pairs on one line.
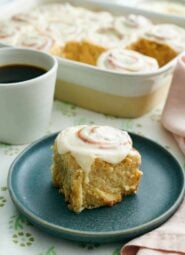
[[18, 237]]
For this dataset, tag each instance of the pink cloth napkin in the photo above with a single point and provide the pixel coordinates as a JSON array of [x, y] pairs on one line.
[[173, 117], [170, 237], [167, 239]]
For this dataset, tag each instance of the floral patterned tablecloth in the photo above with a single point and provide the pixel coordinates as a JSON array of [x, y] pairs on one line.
[[19, 237]]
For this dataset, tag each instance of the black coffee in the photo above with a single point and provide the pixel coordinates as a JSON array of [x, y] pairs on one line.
[[18, 73]]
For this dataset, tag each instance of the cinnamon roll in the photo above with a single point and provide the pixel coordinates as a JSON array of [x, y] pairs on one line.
[[132, 24], [55, 11], [96, 42], [38, 41], [95, 20], [126, 61], [163, 42], [9, 31], [95, 166], [63, 32]]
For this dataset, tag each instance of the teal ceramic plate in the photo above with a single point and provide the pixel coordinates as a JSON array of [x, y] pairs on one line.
[[160, 193]]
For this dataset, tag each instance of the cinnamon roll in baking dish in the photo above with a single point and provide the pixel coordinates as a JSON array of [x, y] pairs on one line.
[[162, 42], [132, 24], [95, 166], [36, 41], [126, 61]]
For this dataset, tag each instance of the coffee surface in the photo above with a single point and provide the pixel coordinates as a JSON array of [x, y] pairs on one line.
[[19, 73]]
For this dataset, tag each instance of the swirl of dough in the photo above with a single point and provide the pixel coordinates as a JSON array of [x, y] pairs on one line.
[[35, 40], [103, 137], [164, 32], [130, 23], [27, 18], [126, 61], [96, 19], [109, 37], [63, 32], [88, 142], [6, 32], [9, 31]]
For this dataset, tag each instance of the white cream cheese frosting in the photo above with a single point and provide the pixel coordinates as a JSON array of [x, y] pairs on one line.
[[126, 61], [9, 31], [88, 142], [170, 34], [131, 24], [35, 40], [106, 37]]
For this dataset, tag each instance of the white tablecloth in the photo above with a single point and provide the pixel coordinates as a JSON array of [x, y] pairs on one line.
[[17, 236]]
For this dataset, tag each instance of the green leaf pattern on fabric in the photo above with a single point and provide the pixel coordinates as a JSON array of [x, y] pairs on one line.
[[3, 199], [127, 125], [116, 252], [49, 251], [23, 239], [89, 246], [65, 108], [20, 235], [18, 222]]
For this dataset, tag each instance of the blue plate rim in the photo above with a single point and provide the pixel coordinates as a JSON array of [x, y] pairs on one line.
[[139, 229]]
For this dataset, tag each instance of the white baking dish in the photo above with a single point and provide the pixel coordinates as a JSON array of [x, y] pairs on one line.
[[125, 95]]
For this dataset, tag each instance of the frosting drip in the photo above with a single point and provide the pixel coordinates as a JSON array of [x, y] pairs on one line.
[[86, 143], [126, 61]]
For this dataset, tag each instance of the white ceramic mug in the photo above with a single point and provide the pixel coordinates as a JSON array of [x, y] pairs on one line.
[[25, 106]]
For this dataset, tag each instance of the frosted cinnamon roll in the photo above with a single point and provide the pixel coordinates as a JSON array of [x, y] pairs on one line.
[[94, 44], [162, 42], [9, 31], [63, 32], [126, 61], [165, 32], [108, 37], [95, 166], [96, 20], [38, 41], [56, 11], [132, 24]]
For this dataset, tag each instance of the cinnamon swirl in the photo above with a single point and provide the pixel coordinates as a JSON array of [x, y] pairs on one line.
[[95, 166], [38, 41], [126, 61], [10, 30], [132, 24]]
